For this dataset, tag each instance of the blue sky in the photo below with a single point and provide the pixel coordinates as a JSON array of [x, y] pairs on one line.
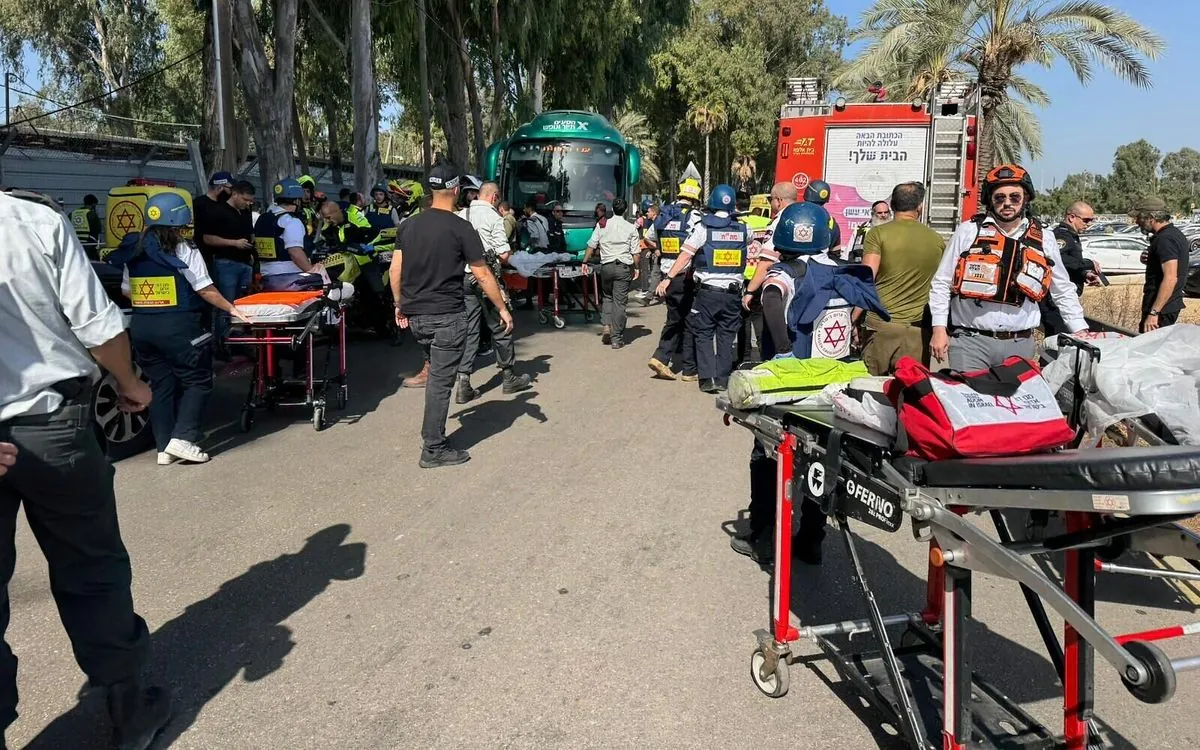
[[1084, 126]]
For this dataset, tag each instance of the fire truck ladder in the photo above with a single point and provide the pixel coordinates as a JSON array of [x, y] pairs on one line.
[[947, 156]]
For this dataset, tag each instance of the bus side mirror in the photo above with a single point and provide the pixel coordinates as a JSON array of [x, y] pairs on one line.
[[633, 157], [491, 161]]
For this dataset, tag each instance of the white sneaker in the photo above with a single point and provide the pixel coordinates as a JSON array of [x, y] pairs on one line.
[[165, 459], [186, 451]]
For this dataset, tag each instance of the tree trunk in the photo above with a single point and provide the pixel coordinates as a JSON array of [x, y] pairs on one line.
[[707, 183], [298, 133], [456, 112], [537, 85], [468, 73], [268, 90], [991, 96], [208, 134], [672, 173], [497, 76], [423, 63], [367, 167], [335, 146]]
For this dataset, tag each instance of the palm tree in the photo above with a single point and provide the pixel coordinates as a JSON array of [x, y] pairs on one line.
[[744, 170], [920, 43], [707, 118], [636, 130]]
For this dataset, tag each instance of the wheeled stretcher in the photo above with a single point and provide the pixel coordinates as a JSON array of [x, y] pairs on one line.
[[566, 280], [1106, 499], [295, 325]]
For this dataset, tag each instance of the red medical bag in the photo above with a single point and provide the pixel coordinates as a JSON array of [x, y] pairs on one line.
[[1002, 411]]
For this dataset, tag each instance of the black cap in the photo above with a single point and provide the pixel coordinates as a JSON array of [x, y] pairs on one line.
[[444, 177]]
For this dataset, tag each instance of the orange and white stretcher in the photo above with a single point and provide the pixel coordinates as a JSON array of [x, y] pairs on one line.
[[294, 325], [1089, 505]]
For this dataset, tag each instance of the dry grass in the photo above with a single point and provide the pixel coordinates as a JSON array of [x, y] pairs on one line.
[[1121, 304]]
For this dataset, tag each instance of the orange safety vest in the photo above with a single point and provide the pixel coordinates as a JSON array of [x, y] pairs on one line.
[[999, 268]]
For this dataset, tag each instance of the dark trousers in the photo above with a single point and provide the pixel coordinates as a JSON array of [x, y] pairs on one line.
[[442, 338], [677, 345], [1164, 320], [482, 314], [749, 335], [715, 319], [763, 478], [66, 486], [180, 372], [615, 279]]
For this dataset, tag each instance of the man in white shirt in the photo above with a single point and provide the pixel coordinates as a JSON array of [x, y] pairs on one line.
[[537, 227], [620, 251], [487, 221], [996, 268], [56, 324], [279, 240]]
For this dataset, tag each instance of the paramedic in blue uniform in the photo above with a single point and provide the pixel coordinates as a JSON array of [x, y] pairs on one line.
[[169, 288], [802, 277], [279, 241], [675, 356], [717, 248], [56, 324], [978, 319]]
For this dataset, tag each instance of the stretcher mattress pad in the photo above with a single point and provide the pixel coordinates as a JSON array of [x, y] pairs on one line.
[[1167, 468], [280, 307]]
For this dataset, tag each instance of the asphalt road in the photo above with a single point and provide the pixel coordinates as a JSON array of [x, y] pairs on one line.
[[570, 587]]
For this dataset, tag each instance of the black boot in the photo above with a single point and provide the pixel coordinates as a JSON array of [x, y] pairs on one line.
[[464, 393], [708, 386], [138, 714], [760, 549], [514, 383]]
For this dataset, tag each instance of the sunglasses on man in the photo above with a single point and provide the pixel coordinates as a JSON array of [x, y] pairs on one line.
[[1015, 199], [1084, 219]]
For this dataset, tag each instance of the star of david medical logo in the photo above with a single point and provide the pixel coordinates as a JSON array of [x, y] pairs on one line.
[[835, 335], [1007, 404], [145, 289], [126, 217]]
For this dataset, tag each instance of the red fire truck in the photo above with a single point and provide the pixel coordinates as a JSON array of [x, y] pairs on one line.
[[864, 150]]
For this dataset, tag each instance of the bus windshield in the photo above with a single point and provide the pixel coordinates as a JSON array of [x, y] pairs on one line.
[[576, 174]]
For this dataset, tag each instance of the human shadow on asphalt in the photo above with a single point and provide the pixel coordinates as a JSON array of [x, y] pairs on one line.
[[487, 419], [373, 369], [534, 368], [237, 630]]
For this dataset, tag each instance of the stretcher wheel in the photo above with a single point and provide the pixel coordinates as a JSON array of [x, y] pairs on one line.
[[246, 420], [559, 322], [343, 395], [1161, 685], [587, 317], [543, 317], [319, 417], [775, 686]]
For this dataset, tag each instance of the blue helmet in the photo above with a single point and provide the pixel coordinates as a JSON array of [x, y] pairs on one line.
[[289, 190], [722, 198], [167, 210], [818, 191], [803, 229]]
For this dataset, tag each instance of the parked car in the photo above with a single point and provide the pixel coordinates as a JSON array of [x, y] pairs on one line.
[[122, 434], [1116, 253], [1191, 287]]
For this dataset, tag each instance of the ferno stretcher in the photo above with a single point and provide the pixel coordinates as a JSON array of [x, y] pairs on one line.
[[587, 300], [293, 325], [1106, 500]]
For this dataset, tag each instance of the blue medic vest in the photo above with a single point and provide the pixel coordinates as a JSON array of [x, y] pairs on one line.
[[268, 238], [380, 218], [156, 284], [724, 249], [671, 228]]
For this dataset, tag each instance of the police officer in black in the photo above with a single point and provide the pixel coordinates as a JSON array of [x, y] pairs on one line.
[[56, 324], [169, 287], [1166, 264], [1079, 269]]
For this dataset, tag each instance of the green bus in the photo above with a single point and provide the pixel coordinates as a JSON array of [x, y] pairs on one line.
[[569, 158]]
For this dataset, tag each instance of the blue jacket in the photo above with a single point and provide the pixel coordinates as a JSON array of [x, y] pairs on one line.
[[819, 285]]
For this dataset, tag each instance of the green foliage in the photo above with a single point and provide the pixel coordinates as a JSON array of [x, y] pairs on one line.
[[1137, 171]]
